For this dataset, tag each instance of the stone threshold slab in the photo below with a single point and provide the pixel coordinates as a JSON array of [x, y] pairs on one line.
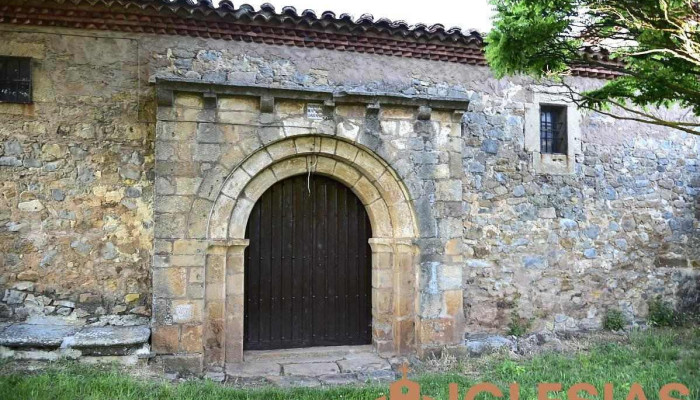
[[307, 353], [313, 366]]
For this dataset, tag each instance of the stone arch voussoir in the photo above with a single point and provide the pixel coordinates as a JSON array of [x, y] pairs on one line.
[[371, 179]]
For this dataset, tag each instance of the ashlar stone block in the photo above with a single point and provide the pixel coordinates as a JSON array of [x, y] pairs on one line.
[[165, 339], [260, 184], [235, 183], [218, 224], [191, 339], [170, 282], [309, 144], [238, 117], [187, 311], [380, 218], [346, 173], [290, 167], [257, 162], [282, 149], [366, 162], [346, 151], [239, 218], [323, 165], [239, 103], [189, 100]]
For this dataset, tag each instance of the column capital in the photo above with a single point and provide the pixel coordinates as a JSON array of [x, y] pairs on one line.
[[404, 246], [382, 245], [228, 242], [221, 246], [391, 245]]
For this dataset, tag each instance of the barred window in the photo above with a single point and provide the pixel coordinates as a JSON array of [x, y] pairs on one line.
[[15, 80], [553, 129]]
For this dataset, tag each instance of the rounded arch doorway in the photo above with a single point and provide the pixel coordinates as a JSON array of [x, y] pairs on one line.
[[308, 273]]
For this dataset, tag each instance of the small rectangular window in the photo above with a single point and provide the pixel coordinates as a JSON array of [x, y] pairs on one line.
[[553, 129], [15, 80]]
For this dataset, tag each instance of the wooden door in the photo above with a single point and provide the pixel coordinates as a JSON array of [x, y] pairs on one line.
[[308, 267]]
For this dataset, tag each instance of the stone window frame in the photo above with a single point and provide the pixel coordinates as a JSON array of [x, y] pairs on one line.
[[553, 164]]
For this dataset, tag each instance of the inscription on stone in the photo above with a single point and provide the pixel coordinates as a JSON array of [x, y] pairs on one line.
[[314, 111]]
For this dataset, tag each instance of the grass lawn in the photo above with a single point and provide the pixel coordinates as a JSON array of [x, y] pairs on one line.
[[651, 358]]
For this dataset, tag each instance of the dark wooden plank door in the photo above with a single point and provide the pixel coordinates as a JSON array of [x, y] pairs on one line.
[[308, 267]]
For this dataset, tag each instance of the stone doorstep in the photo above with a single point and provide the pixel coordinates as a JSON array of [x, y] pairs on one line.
[[310, 369], [90, 340], [325, 352]]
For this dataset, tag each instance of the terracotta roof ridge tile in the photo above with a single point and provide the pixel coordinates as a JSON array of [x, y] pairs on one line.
[[227, 8], [202, 18]]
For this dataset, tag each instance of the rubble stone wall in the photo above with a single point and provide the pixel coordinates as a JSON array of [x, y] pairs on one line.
[[78, 181], [76, 166]]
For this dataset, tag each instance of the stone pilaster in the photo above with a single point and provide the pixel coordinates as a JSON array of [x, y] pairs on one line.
[[382, 294], [393, 295], [234, 300], [223, 333], [404, 296]]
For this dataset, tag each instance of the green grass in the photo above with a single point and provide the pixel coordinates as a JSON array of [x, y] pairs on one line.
[[651, 358]]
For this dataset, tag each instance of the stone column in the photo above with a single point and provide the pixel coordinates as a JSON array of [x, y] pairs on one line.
[[234, 300], [404, 296], [451, 283], [223, 307], [393, 295], [382, 294]]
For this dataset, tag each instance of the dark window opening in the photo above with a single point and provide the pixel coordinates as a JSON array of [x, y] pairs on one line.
[[15, 80], [553, 129]]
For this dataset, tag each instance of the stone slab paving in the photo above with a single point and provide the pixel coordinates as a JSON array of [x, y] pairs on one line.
[[294, 381], [363, 362], [310, 369], [327, 366], [253, 369], [339, 379]]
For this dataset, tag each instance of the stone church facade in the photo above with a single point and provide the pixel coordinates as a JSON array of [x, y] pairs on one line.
[[154, 128]]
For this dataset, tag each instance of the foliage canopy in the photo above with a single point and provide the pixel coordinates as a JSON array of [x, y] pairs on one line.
[[652, 45]]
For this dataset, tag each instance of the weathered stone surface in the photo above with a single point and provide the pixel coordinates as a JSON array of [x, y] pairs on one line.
[[30, 335], [482, 343], [30, 206], [338, 379], [363, 362], [109, 336], [380, 376], [294, 381], [184, 365], [254, 369], [310, 369]]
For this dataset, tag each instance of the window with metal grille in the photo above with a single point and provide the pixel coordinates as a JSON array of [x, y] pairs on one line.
[[15, 80], [553, 129]]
